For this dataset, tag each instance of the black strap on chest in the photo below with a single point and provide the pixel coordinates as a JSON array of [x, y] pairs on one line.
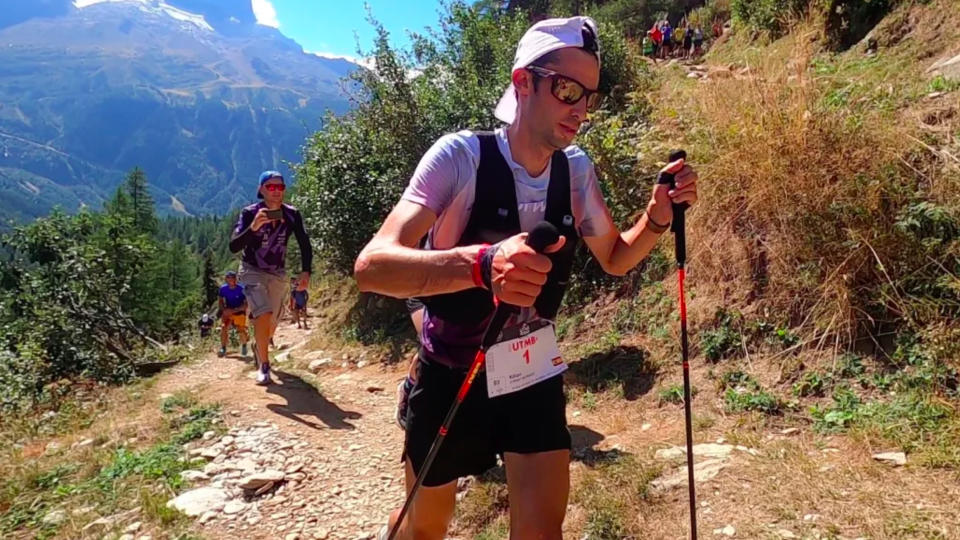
[[495, 217]]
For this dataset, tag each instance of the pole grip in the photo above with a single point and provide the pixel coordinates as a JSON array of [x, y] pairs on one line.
[[542, 236], [678, 226]]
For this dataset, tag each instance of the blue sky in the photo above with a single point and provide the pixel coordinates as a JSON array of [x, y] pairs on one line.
[[333, 27]]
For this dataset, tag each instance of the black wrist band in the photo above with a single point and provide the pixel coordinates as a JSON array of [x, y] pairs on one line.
[[486, 265], [654, 226]]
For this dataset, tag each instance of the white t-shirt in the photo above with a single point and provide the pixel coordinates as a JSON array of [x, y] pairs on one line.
[[445, 182]]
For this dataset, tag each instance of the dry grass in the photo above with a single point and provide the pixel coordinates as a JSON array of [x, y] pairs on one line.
[[808, 161], [345, 320], [57, 462], [812, 485], [808, 165]]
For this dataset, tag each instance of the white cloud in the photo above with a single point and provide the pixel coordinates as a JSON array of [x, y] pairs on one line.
[[365, 62], [265, 13]]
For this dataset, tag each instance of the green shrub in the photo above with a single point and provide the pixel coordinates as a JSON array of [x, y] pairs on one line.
[[746, 400], [735, 378], [607, 494], [840, 414], [771, 16], [80, 294], [722, 340], [813, 383], [674, 393]]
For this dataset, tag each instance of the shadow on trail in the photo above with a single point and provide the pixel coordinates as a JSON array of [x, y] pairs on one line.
[[584, 440], [303, 400], [625, 366]]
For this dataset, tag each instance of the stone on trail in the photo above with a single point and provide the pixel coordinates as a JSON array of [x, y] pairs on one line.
[[706, 450], [199, 501], [948, 67], [726, 531], [264, 488], [193, 476], [211, 453], [257, 480], [234, 507], [671, 453], [702, 472], [315, 365], [54, 517], [894, 458]]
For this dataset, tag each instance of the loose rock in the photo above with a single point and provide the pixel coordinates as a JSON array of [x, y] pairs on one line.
[[196, 502]]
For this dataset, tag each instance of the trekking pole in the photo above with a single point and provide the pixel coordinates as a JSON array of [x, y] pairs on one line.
[[543, 235], [678, 227]]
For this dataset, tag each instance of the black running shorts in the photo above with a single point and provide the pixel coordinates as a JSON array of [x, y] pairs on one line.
[[525, 422]]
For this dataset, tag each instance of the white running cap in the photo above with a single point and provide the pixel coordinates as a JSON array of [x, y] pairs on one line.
[[544, 37]]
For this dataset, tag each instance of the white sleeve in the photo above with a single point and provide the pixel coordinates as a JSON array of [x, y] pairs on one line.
[[589, 209], [443, 171]]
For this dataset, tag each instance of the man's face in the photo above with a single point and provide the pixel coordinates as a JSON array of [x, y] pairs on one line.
[[554, 121], [232, 281], [272, 191]]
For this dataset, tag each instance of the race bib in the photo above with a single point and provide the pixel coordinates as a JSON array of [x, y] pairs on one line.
[[525, 355]]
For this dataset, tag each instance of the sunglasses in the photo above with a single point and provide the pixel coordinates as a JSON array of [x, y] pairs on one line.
[[274, 187], [567, 90]]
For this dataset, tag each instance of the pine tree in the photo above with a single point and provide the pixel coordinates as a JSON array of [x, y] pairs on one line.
[[210, 290], [141, 203]]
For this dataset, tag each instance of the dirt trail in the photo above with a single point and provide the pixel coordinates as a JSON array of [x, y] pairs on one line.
[[334, 434], [352, 444]]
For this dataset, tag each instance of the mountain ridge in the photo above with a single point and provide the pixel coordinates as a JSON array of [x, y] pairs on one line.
[[149, 83]]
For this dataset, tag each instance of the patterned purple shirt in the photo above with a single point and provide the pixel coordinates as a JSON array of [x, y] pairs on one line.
[[266, 249]]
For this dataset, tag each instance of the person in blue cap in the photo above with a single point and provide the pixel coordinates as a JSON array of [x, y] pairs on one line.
[[261, 236]]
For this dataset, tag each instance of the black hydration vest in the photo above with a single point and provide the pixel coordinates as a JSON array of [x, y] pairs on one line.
[[495, 217]]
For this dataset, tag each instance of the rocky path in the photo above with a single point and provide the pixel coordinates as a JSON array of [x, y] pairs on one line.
[[314, 456]]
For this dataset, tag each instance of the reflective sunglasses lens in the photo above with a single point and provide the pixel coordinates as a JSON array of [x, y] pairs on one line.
[[566, 90], [593, 101]]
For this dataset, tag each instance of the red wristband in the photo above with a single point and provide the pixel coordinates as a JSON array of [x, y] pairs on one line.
[[475, 269]]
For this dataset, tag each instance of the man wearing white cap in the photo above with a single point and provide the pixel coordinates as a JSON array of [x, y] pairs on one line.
[[473, 194]]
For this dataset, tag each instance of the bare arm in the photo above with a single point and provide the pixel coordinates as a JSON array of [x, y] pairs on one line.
[[618, 252], [391, 264]]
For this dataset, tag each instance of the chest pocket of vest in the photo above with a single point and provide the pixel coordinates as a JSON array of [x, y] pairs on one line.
[[494, 217]]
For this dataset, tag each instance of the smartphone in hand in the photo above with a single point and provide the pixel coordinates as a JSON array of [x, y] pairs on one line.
[[275, 214]]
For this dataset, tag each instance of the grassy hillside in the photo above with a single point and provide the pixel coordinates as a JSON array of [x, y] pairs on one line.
[[823, 287]]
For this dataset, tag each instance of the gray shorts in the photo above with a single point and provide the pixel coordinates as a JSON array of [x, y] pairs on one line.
[[265, 292]]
